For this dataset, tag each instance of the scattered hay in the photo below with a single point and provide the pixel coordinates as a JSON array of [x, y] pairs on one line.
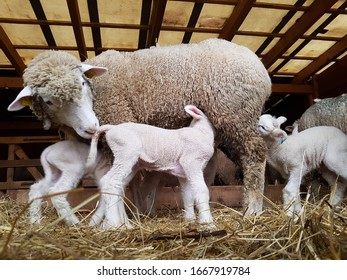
[[319, 233]]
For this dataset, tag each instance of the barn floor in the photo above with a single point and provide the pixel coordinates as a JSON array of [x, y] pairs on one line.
[[320, 233]]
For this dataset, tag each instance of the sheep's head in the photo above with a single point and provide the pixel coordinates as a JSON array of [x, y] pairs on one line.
[[270, 127], [58, 90]]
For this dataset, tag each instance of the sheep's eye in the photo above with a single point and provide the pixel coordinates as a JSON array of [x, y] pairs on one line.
[[49, 103], [262, 127], [83, 83]]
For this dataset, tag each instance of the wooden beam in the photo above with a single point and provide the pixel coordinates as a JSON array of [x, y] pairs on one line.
[[10, 52], [192, 21], [19, 163], [11, 82], [156, 21], [332, 81], [77, 27], [292, 89], [336, 50], [237, 17], [94, 17], [145, 16], [316, 10]]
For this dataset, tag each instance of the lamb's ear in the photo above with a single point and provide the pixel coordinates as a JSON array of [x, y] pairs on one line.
[[281, 120], [23, 99], [194, 111], [92, 71]]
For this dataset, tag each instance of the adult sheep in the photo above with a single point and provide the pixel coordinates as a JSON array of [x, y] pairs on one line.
[[227, 81], [328, 111]]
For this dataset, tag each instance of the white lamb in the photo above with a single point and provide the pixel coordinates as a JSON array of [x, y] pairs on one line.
[[322, 147], [64, 166], [181, 152]]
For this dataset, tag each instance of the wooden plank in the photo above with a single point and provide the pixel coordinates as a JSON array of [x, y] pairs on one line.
[[15, 185], [11, 83], [19, 163], [10, 171], [292, 89], [170, 198], [29, 139], [32, 170]]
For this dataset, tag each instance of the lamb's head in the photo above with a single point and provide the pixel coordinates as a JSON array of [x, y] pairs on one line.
[[58, 90], [269, 128]]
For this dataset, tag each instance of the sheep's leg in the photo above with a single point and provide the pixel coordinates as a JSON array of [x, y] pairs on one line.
[[188, 200], [36, 192], [291, 192], [112, 192], [66, 183], [148, 191], [333, 179], [252, 150]]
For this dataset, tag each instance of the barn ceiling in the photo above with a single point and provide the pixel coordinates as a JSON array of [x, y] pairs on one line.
[[302, 43]]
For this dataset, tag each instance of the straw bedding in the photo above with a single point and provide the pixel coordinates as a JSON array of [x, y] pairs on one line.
[[319, 233]]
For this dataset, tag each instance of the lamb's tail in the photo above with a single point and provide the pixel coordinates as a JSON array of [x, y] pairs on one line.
[[93, 151]]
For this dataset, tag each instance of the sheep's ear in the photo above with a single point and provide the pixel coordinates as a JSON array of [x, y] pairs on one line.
[[92, 71], [23, 99], [281, 120], [194, 111]]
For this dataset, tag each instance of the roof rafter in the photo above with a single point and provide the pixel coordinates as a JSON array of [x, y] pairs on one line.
[[94, 17], [237, 17], [156, 21], [145, 16], [321, 61], [315, 11], [77, 28], [332, 79], [10, 52]]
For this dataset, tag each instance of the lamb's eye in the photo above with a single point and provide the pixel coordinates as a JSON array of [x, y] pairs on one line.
[[262, 127], [83, 83], [49, 103]]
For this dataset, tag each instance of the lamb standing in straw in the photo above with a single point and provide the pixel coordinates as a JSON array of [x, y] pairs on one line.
[[181, 152], [322, 147], [64, 166]]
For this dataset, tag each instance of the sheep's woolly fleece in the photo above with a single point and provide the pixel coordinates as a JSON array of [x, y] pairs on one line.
[[54, 74], [328, 111]]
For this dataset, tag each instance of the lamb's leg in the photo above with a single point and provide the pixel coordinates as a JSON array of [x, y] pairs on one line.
[[36, 192], [66, 183], [112, 192], [99, 213], [188, 200], [333, 179], [195, 189], [291, 192]]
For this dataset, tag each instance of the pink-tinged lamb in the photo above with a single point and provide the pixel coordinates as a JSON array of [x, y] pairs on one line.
[[322, 148], [182, 152], [64, 166]]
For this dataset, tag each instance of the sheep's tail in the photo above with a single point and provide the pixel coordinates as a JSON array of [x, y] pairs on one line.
[[93, 150]]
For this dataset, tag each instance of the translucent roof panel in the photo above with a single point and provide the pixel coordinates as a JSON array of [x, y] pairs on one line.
[[170, 38], [214, 16], [251, 42], [63, 35], [315, 48], [55, 10], [120, 11], [294, 66], [286, 2], [198, 37], [119, 38], [10, 9], [264, 20], [22, 34], [177, 13]]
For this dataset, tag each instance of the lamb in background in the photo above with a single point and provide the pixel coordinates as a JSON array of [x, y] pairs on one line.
[[64, 166], [183, 152], [322, 147], [151, 86]]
